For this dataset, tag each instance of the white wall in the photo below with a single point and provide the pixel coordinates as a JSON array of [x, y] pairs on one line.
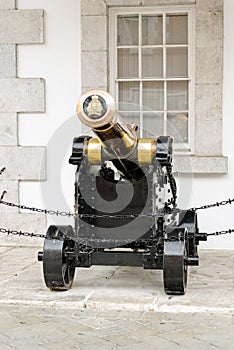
[[58, 61], [209, 189]]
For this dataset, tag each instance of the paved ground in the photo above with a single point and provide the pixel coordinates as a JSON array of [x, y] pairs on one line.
[[112, 308]]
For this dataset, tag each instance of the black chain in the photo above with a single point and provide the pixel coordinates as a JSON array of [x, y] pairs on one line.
[[38, 210], [41, 235], [213, 205], [20, 233], [64, 213], [29, 234], [217, 204], [219, 233], [69, 214]]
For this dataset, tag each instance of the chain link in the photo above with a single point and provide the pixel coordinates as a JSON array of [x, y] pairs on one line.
[[20, 233], [105, 216], [219, 233], [69, 214], [38, 210], [213, 205], [217, 204]]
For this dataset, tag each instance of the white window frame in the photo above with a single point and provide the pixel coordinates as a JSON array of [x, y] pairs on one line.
[[113, 80]]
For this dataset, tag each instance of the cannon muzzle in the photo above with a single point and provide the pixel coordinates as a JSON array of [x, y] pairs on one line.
[[97, 110], [115, 141]]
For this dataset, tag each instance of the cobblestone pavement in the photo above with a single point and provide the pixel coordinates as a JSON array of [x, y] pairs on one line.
[[113, 308]]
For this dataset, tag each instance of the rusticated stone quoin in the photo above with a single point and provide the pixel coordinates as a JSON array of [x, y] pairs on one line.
[[91, 76], [209, 101], [209, 29], [11, 195], [21, 27], [93, 8], [22, 222], [23, 163], [22, 95], [7, 4], [7, 61], [8, 129], [210, 5], [18, 95], [212, 145], [98, 26]]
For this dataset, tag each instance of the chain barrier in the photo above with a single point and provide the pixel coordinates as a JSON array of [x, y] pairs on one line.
[[130, 216], [69, 214], [217, 204], [20, 233], [219, 233], [38, 210]]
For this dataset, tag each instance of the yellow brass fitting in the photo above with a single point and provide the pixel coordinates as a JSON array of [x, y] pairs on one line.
[[146, 150], [94, 151]]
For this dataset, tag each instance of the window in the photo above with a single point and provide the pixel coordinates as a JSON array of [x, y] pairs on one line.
[[195, 106], [151, 71]]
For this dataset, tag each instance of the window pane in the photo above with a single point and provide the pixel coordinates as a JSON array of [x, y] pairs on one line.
[[177, 29], [177, 62], [177, 126], [153, 95], [152, 32], [152, 124], [130, 118], [127, 30], [127, 63], [129, 96], [152, 63], [177, 95]]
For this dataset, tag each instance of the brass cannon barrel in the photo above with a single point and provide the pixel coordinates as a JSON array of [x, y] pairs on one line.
[[116, 141], [96, 109]]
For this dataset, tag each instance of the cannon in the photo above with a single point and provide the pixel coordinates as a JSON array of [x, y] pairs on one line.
[[125, 211]]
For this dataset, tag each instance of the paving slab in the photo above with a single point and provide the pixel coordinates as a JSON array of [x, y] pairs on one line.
[[45, 328], [210, 286]]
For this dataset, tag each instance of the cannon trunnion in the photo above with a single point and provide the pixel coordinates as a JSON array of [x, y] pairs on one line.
[[125, 204]]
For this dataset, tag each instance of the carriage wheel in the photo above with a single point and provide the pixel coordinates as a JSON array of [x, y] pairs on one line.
[[58, 273], [175, 270], [188, 219]]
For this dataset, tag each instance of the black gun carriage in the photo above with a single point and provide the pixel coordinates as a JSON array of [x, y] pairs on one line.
[[125, 208]]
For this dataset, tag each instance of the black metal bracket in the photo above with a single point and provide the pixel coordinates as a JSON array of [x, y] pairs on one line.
[[78, 149]]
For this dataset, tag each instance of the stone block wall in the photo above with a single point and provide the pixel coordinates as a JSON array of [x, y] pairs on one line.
[[18, 95], [209, 77]]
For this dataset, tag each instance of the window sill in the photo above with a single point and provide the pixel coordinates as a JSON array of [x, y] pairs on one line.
[[200, 164]]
